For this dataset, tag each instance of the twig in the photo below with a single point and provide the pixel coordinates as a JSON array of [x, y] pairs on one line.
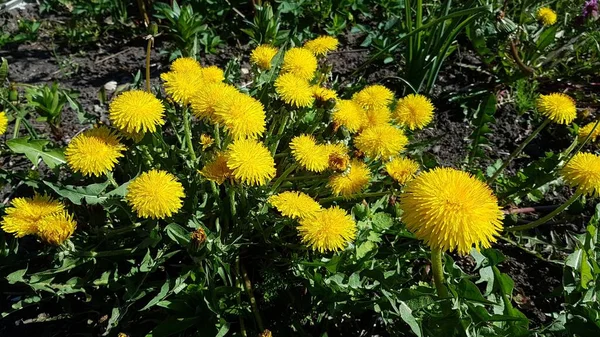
[[515, 55], [113, 55], [530, 209]]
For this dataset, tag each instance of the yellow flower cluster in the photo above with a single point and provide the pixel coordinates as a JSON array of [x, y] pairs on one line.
[[155, 194], [3, 122], [557, 107], [546, 16], [329, 229], [583, 172], [94, 152], [39, 216]]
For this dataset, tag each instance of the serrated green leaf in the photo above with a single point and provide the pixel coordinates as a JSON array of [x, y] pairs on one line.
[[16, 276], [92, 194], [34, 149]]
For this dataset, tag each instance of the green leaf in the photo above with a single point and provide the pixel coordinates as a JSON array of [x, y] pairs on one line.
[[408, 318], [92, 194], [172, 326], [586, 271], [382, 221], [364, 248], [468, 290], [159, 297], [546, 38], [178, 234], [34, 149], [16, 276], [3, 70]]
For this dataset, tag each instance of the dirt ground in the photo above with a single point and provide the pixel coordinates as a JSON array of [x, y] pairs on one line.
[[88, 70]]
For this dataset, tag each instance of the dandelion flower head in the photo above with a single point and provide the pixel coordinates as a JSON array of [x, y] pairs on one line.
[[414, 111], [331, 229], [352, 181], [212, 74], [377, 116], [295, 205], [546, 16], [206, 141], [3, 122], [94, 152], [242, 115], [322, 45], [338, 157], [263, 55], [324, 94], [348, 114], [56, 228], [136, 111], [587, 130], [24, 214], [583, 172], [557, 107], [300, 62], [205, 101], [402, 170], [294, 90], [310, 155], [250, 162], [381, 141], [451, 211], [155, 194], [184, 79], [374, 96], [217, 170]]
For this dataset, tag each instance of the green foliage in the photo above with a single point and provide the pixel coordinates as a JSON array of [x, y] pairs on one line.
[[48, 102]]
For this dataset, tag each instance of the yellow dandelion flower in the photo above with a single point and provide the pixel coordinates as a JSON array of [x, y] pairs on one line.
[[205, 101], [309, 154], [331, 229], [56, 228], [338, 157], [94, 152], [24, 214], [451, 210], [324, 94], [546, 16], [587, 130], [155, 194], [414, 111], [322, 45], [377, 117], [136, 111], [263, 55], [354, 180], [295, 205], [402, 169], [182, 85], [557, 107], [583, 172], [294, 90], [300, 62], [186, 65], [212, 74], [217, 170], [381, 141], [134, 136], [348, 114], [374, 96], [242, 115], [206, 141], [250, 162], [3, 122]]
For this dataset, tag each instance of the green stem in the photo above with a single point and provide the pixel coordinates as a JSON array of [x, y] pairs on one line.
[[217, 135], [354, 196], [238, 284], [188, 134], [17, 126], [517, 151], [111, 179], [233, 209], [253, 305], [125, 251], [548, 217], [437, 267], [148, 50], [508, 307], [283, 176]]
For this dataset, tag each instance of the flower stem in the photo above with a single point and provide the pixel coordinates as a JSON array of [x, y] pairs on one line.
[[355, 196], [253, 305], [148, 50], [517, 151], [188, 134], [437, 268], [284, 175], [548, 217]]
